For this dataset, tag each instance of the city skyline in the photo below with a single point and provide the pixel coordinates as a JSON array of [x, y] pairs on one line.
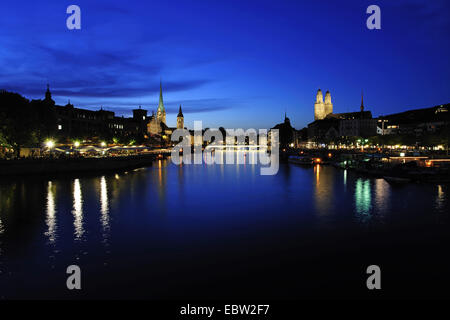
[[224, 158], [273, 71]]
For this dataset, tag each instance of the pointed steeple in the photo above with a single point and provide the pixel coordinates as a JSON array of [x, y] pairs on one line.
[[362, 102], [161, 103], [286, 119], [180, 113], [48, 94]]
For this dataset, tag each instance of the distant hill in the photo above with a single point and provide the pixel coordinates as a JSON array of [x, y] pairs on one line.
[[433, 114]]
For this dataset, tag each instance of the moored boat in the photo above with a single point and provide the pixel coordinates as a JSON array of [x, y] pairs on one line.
[[302, 160], [392, 179]]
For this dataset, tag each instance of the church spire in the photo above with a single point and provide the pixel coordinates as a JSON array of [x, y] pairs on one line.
[[180, 119], [161, 103], [48, 94], [362, 102]]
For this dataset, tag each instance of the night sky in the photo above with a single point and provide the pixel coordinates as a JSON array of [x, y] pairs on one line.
[[229, 63]]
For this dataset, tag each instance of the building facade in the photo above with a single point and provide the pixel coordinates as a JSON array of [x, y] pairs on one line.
[[329, 125], [416, 122], [72, 122], [157, 124], [180, 119], [322, 108]]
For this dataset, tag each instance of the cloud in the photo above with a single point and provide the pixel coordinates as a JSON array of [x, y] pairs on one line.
[[109, 90], [101, 74], [188, 106]]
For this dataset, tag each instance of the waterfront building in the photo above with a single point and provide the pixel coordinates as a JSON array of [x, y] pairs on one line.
[[74, 122], [289, 136], [416, 122], [180, 119], [329, 125], [157, 126]]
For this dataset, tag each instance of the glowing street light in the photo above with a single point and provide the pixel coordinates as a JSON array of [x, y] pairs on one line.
[[103, 144], [50, 144], [76, 144]]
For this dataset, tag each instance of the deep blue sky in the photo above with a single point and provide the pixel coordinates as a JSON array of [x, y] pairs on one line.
[[233, 63]]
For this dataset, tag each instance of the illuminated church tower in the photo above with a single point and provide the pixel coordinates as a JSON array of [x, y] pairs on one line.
[[319, 107], [180, 119], [161, 112], [328, 104]]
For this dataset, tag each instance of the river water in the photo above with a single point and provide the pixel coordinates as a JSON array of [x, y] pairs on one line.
[[222, 231]]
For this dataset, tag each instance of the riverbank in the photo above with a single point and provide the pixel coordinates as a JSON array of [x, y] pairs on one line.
[[44, 166], [391, 167]]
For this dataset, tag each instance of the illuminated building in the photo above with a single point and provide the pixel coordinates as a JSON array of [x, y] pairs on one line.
[[180, 119], [321, 108], [77, 122], [329, 125]]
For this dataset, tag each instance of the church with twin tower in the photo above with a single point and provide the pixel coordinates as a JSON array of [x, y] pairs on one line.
[[321, 108]]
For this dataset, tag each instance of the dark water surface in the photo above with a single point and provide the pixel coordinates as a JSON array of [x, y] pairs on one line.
[[222, 231]]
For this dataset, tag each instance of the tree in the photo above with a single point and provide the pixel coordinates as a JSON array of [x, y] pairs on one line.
[[17, 121]]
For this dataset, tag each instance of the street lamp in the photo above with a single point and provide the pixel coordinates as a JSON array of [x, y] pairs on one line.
[[49, 144], [76, 144], [103, 144]]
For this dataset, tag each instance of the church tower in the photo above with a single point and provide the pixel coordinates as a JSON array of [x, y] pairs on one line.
[[328, 105], [161, 112], [362, 102], [48, 96], [319, 107], [180, 119]]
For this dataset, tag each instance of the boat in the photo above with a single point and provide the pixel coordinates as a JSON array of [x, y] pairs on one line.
[[392, 179], [302, 160]]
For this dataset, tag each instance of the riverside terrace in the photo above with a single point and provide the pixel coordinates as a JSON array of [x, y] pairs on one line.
[[85, 159]]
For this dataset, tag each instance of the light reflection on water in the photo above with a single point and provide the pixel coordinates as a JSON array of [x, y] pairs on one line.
[[440, 198], [104, 208], [97, 205], [323, 192], [2, 229], [345, 178], [51, 214], [77, 210], [382, 192], [363, 200]]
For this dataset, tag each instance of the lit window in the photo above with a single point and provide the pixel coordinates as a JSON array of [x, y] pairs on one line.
[[59, 127]]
